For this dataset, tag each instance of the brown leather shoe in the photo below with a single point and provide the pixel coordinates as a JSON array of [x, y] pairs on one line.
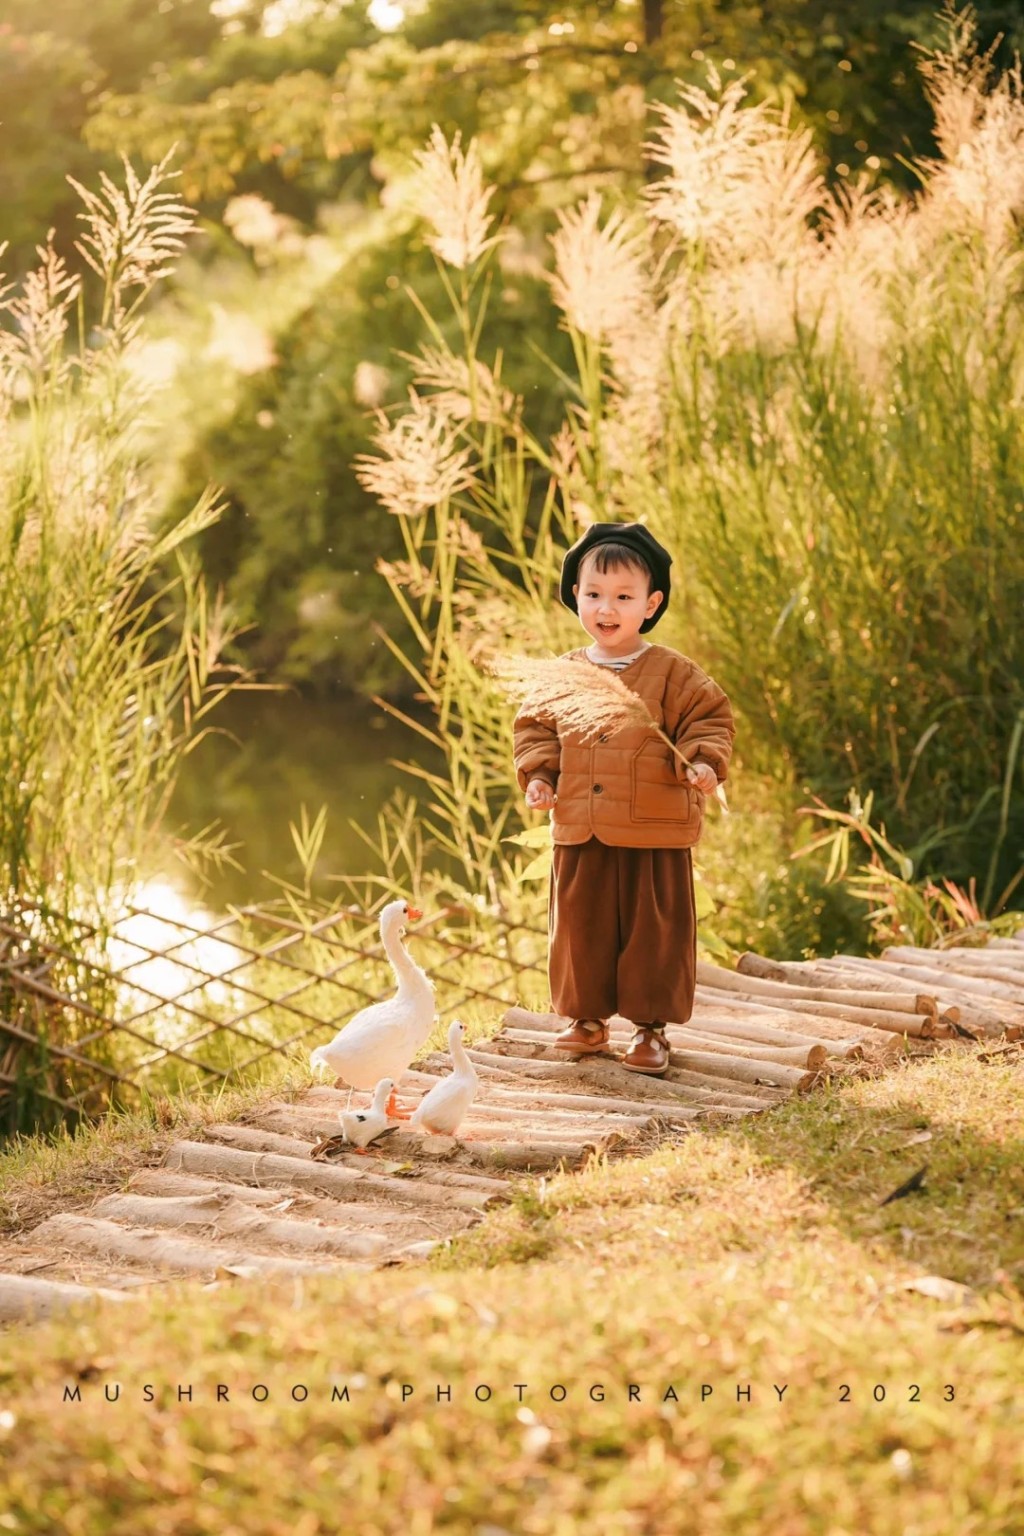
[[583, 1037], [648, 1051]]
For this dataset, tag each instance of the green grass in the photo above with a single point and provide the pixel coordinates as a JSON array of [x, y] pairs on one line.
[[753, 1253]]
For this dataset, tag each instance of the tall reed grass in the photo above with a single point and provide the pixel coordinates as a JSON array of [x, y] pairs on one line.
[[102, 692], [813, 396]]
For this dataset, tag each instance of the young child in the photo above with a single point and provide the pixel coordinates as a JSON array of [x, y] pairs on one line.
[[622, 921]]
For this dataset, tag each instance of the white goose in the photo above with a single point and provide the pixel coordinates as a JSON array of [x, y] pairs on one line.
[[381, 1041], [361, 1126], [442, 1110]]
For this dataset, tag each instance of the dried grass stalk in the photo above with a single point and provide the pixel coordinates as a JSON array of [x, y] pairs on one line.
[[450, 193], [421, 462], [590, 700]]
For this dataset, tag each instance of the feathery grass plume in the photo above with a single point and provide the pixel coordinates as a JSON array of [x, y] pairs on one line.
[[405, 574], [461, 391], [957, 79], [867, 246], [135, 235], [600, 277], [587, 699], [422, 464], [591, 700], [979, 126], [741, 184], [709, 146], [450, 195], [34, 344]]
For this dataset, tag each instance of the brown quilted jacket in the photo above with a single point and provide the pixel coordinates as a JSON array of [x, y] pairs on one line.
[[629, 789]]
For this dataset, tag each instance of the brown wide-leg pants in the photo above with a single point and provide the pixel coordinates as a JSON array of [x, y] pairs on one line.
[[622, 931]]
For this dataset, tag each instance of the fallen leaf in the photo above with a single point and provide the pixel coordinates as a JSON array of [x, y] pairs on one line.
[[939, 1288]]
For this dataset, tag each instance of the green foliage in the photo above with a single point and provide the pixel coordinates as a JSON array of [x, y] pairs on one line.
[[862, 539], [297, 544], [95, 714], [552, 92], [56, 63], [902, 910]]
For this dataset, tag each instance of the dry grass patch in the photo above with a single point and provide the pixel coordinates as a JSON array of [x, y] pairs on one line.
[[66, 1170]]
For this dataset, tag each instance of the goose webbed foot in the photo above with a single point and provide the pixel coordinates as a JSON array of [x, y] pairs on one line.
[[393, 1111]]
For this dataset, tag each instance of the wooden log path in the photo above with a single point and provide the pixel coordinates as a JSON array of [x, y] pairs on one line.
[[262, 1197]]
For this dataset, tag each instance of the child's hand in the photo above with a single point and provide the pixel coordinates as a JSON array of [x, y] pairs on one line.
[[539, 795], [704, 777]]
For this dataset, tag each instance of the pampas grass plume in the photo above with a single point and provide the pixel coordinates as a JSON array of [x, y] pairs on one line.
[[587, 699]]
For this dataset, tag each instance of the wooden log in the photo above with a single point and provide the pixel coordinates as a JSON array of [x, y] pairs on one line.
[[539, 1041], [743, 1070], [525, 1114], [304, 1173], [744, 1023], [674, 1085], [539, 1037], [529, 1157], [993, 950], [976, 988], [986, 1016], [551, 1114], [832, 977], [67, 1233], [777, 1046], [551, 1023], [24, 1299], [622, 1029], [959, 1004], [711, 1088], [519, 1066], [593, 1101], [158, 1181], [865, 969], [400, 1144], [965, 962], [879, 1040], [783, 984], [752, 964], [898, 1022], [233, 1219], [918, 1025], [785, 991], [808, 1058]]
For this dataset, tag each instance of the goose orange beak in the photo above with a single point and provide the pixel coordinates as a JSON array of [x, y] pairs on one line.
[[415, 914]]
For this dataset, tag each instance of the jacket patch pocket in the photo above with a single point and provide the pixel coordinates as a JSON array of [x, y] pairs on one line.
[[657, 795]]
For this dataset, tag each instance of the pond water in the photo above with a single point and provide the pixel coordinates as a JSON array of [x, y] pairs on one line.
[[283, 751]]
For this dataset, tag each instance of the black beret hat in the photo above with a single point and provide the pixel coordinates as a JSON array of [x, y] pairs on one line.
[[636, 537]]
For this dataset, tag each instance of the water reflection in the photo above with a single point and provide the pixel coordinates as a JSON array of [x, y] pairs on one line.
[[289, 750], [163, 953]]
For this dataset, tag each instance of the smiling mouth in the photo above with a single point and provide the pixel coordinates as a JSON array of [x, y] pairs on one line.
[[607, 626]]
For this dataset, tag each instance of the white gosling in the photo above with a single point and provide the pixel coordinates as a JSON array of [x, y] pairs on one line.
[[382, 1040], [442, 1110], [361, 1126]]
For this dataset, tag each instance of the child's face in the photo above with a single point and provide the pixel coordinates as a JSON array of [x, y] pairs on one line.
[[613, 604]]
